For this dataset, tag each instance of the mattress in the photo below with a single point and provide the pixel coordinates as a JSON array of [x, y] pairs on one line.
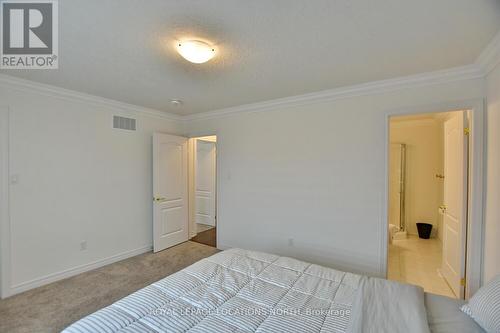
[[444, 315], [245, 291], [234, 291]]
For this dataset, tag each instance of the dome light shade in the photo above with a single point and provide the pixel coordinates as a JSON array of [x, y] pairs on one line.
[[195, 51]]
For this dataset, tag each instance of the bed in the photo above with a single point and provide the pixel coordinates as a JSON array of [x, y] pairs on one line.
[[444, 315], [246, 291]]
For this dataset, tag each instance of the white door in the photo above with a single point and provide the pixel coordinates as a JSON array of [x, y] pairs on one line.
[[205, 174], [455, 202], [170, 201]]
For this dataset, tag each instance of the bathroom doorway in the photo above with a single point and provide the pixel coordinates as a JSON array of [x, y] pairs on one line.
[[203, 190], [428, 200]]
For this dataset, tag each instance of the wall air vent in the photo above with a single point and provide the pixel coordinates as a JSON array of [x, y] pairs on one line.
[[124, 123]]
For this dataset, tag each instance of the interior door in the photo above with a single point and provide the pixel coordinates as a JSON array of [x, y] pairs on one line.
[[170, 200], [205, 182], [455, 202]]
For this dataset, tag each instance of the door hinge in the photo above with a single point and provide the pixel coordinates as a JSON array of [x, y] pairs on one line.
[[462, 282], [466, 131]]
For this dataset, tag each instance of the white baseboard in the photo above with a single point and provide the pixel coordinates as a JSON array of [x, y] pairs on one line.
[[223, 246], [38, 282], [210, 224]]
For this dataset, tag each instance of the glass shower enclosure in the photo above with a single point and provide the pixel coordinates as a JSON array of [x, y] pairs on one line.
[[397, 174]]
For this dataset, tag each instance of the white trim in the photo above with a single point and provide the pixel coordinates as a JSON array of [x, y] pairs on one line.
[[473, 71], [12, 82], [5, 251], [218, 180], [468, 72], [223, 247], [477, 187], [218, 190], [476, 203], [191, 188], [490, 57], [484, 63], [18, 288]]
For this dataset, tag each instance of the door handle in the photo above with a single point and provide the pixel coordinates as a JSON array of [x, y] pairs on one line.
[[159, 199], [443, 207]]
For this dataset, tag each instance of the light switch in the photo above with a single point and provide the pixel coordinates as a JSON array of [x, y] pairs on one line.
[[14, 179]]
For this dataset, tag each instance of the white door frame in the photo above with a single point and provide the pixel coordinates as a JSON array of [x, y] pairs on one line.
[[218, 186], [195, 180], [5, 251], [475, 221]]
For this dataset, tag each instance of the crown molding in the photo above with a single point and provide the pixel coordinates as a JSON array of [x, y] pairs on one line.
[[485, 63], [468, 72], [490, 57], [71, 95]]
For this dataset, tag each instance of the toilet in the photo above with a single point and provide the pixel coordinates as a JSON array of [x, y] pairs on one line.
[[392, 231]]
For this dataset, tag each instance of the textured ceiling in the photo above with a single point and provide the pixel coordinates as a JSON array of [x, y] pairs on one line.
[[123, 49]]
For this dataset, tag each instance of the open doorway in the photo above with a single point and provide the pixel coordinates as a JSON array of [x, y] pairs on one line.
[[203, 190], [428, 201], [184, 190]]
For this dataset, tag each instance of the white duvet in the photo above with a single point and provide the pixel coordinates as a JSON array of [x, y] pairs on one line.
[[246, 291]]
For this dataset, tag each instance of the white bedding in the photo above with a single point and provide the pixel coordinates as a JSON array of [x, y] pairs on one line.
[[246, 291], [444, 315], [388, 306]]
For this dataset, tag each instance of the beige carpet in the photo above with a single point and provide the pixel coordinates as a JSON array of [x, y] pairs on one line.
[[53, 307]]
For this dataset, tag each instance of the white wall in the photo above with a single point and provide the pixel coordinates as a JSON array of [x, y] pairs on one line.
[[424, 159], [306, 181], [492, 220], [314, 174], [78, 179]]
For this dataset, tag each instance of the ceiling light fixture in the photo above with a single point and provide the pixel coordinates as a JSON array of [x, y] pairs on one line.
[[195, 51]]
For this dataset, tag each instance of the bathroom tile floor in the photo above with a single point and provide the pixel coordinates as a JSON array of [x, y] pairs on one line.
[[418, 261]]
